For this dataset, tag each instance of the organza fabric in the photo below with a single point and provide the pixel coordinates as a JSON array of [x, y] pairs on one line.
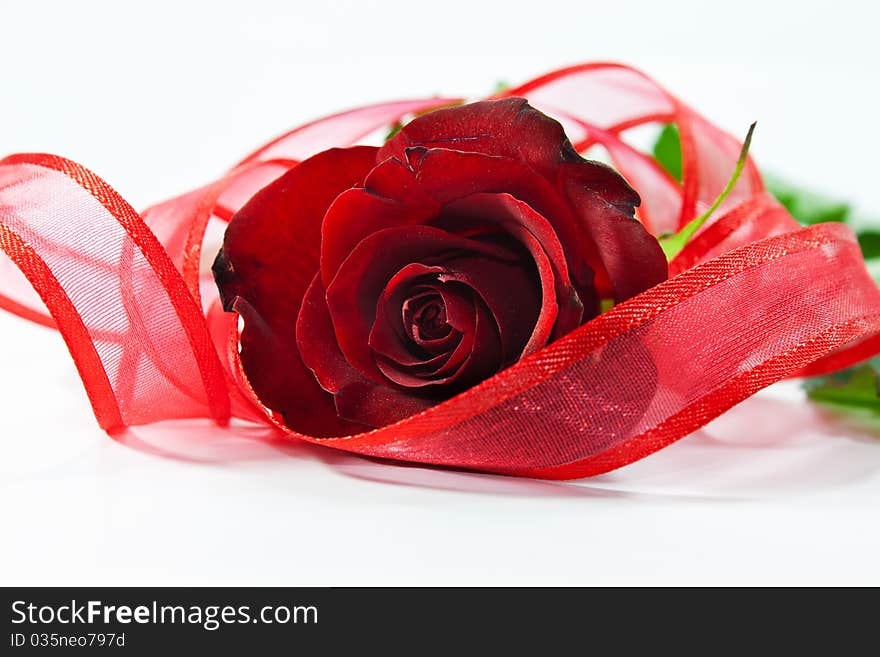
[[752, 299]]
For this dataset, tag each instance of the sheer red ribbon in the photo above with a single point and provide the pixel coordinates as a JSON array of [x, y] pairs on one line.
[[751, 300]]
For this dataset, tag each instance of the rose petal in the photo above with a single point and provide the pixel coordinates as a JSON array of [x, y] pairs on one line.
[[628, 260], [414, 311], [592, 209], [484, 358], [283, 218], [378, 406], [259, 276], [477, 357], [354, 292], [355, 399], [444, 177], [384, 202], [460, 316], [450, 176], [388, 335], [284, 383], [316, 341], [510, 128], [512, 295], [561, 309]]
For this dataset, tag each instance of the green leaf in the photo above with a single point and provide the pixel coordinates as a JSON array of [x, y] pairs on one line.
[[853, 387], [673, 244], [667, 150], [869, 240], [395, 128], [807, 206]]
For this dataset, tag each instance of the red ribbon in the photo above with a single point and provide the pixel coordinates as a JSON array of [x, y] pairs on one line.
[[751, 300]]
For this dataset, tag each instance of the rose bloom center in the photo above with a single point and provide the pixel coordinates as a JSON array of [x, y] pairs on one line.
[[424, 318]]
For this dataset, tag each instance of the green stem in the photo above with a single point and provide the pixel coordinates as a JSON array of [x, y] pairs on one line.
[[673, 244]]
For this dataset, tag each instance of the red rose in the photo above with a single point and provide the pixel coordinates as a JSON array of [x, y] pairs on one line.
[[376, 282]]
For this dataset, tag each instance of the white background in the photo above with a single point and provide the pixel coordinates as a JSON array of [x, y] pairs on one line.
[[164, 96]]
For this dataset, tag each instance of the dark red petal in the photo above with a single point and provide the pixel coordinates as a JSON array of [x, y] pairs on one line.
[[631, 260], [589, 205], [353, 294], [484, 358], [449, 176], [444, 177], [316, 341], [460, 302], [591, 209], [512, 295], [515, 130], [396, 179], [425, 317], [424, 367], [458, 307], [284, 382], [378, 406], [388, 338], [356, 402], [272, 245], [270, 253], [388, 335], [391, 196], [509, 127], [358, 213], [477, 357], [561, 309]]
